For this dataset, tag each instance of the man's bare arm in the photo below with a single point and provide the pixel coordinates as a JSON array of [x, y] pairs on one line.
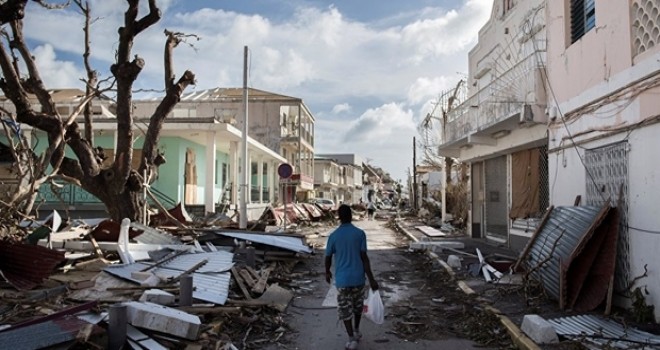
[[328, 264], [367, 269]]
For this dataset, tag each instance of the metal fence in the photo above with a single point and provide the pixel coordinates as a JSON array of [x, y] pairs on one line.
[[607, 176]]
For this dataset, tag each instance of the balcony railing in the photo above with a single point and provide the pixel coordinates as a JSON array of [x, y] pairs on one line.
[[69, 194], [501, 99]]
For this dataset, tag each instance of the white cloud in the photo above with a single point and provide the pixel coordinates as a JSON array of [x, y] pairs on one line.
[[425, 88], [341, 108], [55, 73], [386, 72]]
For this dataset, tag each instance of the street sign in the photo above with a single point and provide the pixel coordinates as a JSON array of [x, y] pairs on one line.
[[285, 170]]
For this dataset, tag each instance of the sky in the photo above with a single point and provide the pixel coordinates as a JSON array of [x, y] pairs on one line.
[[368, 70]]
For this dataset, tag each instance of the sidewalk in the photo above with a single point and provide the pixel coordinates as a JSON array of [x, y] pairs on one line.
[[517, 336]]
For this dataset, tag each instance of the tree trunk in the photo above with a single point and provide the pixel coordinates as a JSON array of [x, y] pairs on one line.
[[128, 202]]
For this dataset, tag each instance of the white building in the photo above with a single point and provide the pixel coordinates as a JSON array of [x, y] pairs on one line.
[[604, 74], [500, 130]]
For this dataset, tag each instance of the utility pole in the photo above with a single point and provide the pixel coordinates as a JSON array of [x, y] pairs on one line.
[[244, 180], [414, 174]]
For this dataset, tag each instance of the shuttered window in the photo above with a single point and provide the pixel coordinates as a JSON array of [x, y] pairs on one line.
[[583, 18]]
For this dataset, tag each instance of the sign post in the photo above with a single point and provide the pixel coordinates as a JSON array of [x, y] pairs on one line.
[[285, 170]]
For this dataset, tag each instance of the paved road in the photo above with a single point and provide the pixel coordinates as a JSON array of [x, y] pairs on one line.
[[314, 318]]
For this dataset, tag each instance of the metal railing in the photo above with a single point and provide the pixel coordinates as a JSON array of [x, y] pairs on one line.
[[499, 100]]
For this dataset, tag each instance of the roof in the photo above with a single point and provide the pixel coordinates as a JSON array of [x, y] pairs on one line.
[[25, 266], [234, 93]]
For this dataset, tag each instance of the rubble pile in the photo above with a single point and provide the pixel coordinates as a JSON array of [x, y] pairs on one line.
[[101, 284]]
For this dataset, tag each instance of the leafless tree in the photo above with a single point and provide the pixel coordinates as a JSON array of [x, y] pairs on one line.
[[117, 185]]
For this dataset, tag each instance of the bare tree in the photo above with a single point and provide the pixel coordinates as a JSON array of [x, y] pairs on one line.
[[117, 185]]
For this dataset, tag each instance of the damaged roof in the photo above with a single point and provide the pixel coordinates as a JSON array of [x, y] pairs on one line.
[[564, 243], [289, 242], [24, 266]]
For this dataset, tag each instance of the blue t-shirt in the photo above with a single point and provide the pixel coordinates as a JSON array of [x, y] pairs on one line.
[[346, 243]]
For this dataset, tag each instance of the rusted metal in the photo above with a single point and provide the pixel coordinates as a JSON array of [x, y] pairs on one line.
[[25, 266], [54, 316], [566, 234], [593, 266], [108, 231]]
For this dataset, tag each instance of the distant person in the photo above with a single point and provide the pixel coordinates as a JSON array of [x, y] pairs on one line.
[[371, 209], [348, 245]]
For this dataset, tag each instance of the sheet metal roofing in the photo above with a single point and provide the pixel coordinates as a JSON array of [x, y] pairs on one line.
[[224, 94], [554, 245], [25, 266], [289, 242], [153, 236], [210, 281], [604, 332], [42, 335]]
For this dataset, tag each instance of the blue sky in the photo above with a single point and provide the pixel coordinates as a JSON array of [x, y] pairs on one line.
[[369, 70]]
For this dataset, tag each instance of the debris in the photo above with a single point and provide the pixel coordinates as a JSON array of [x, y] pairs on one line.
[[158, 296], [454, 261], [25, 266], [539, 330], [163, 319]]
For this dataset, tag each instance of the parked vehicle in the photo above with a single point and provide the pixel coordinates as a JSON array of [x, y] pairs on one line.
[[326, 204]]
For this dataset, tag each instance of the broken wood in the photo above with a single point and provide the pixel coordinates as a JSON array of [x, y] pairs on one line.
[[247, 278], [260, 286], [97, 248], [252, 272], [239, 281]]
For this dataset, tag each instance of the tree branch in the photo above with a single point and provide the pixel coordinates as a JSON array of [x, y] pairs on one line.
[[34, 83]]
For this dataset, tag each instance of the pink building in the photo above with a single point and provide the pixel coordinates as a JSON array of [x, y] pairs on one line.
[[603, 72]]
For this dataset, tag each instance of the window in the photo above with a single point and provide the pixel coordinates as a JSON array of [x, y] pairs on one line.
[[583, 18]]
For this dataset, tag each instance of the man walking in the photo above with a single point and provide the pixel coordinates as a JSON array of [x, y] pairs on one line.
[[348, 244]]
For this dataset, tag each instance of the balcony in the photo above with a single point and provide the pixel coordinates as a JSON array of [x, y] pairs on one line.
[[516, 98]]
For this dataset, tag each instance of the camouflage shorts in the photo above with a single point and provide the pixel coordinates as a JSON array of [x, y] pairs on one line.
[[350, 301]]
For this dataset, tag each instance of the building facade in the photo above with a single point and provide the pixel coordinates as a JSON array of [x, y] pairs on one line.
[[495, 122], [201, 170], [350, 190], [604, 108], [281, 123]]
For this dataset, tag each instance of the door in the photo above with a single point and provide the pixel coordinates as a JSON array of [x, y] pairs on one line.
[[190, 178]]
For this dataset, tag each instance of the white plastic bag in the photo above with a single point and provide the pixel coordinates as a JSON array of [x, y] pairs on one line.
[[373, 307]]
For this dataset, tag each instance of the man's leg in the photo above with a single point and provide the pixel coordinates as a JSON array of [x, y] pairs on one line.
[[345, 309]]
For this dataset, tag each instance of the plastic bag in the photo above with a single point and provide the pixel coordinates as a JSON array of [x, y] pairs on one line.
[[373, 307]]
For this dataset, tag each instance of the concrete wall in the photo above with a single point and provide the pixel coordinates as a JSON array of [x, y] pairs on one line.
[[606, 92]]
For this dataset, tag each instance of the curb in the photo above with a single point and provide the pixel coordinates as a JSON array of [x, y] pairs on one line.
[[517, 336]]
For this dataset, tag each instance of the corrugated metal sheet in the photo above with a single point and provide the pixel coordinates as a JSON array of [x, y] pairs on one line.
[[44, 334], [554, 245], [604, 332], [210, 282], [293, 243], [593, 268], [152, 236], [25, 266]]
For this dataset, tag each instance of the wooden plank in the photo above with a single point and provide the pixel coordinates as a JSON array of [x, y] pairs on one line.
[[260, 286], [239, 281], [247, 278], [253, 272], [610, 291]]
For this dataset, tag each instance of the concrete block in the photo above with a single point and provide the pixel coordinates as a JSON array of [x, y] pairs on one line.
[[454, 261], [539, 330], [158, 296], [163, 319], [146, 278]]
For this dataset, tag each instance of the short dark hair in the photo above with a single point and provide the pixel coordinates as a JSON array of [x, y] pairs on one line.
[[345, 214]]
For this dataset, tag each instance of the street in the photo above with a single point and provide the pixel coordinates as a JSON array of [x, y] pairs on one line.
[[407, 293]]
